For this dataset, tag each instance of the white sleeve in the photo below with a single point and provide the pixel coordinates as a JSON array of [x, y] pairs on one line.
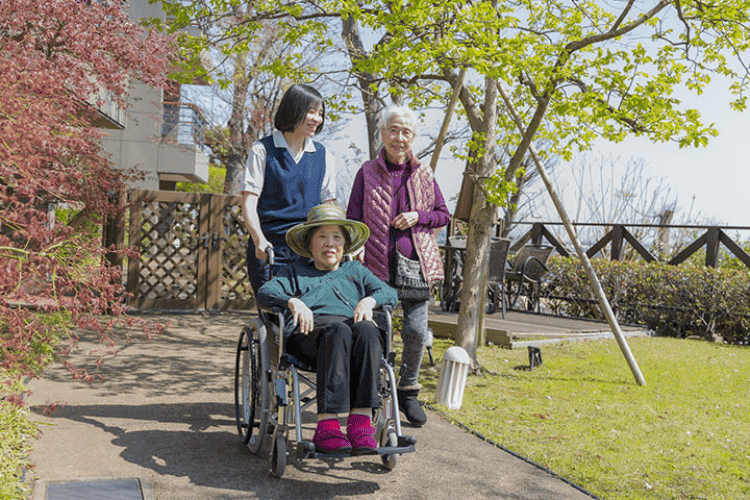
[[255, 170], [328, 190]]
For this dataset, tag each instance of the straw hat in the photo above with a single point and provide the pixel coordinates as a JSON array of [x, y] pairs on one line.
[[323, 215]]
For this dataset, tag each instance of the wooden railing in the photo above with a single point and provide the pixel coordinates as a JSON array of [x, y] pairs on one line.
[[618, 236]]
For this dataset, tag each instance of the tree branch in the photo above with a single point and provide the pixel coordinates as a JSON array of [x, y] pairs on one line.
[[544, 97], [623, 14], [631, 123], [473, 113]]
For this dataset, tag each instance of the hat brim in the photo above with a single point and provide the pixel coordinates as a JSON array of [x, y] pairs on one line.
[[358, 234]]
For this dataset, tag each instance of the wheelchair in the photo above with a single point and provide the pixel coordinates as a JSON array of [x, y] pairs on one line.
[[272, 389]]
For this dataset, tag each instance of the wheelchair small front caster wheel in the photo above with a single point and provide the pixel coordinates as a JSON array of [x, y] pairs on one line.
[[278, 455], [390, 439]]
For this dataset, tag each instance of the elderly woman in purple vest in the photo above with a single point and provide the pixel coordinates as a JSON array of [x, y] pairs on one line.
[[286, 174], [400, 201]]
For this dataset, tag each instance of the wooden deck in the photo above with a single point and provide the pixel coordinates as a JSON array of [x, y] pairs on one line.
[[520, 329]]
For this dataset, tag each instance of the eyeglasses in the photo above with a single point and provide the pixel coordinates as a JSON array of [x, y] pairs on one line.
[[403, 132]]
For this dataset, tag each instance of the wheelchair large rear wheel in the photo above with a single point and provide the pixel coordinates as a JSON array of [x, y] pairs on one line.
[[251, 394]]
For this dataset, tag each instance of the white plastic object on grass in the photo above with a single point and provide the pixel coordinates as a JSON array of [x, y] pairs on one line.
[[453, 372]]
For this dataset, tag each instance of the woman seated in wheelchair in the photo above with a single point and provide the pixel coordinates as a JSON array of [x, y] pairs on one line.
[[329, 305]]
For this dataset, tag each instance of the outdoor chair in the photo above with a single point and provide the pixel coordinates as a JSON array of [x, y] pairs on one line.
[[496, 274], [453, 283], [526, 272], [450, 287]]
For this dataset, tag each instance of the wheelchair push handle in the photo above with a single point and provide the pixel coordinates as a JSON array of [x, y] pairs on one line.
[[269, 255]]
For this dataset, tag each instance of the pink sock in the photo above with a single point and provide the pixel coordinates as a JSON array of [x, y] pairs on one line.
[[356, 420], [331, 424]]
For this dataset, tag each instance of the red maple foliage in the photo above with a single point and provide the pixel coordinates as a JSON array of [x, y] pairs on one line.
[[56, 56]]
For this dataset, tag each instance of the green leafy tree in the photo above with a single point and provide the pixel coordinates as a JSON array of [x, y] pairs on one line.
[[252, 58], [574, 71]]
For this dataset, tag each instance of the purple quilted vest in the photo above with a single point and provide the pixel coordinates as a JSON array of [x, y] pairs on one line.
[[376, 209]]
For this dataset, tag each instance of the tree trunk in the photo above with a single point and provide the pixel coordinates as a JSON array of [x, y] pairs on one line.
[[471, 314], [235, 159], [372, 105], [235, 165], [510, 213]]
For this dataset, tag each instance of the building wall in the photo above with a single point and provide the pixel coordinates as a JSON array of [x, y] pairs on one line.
[[136, 147], [139, 148]]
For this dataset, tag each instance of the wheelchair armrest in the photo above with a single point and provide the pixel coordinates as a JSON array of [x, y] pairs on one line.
[[385, 311], [383, 317], [271, 309], [273, 318]]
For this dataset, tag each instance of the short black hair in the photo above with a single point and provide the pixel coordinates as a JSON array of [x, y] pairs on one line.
[[295, 103], [310, 232]]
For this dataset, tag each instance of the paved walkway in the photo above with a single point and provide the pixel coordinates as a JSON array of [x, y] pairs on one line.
[[164, 416]]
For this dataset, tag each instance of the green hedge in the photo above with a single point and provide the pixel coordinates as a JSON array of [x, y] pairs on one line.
[[672, 301]]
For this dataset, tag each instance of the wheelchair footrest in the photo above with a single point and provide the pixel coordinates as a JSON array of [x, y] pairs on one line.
[[406, 444], [406, 441]]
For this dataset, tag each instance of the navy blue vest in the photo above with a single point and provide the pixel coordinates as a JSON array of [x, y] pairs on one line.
[[289, 189]]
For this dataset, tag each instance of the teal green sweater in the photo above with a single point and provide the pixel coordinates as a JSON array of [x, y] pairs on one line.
[[326, 292]]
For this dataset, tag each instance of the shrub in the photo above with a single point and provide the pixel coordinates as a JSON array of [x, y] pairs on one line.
[[58, 56], [18, 435], [672, 301]]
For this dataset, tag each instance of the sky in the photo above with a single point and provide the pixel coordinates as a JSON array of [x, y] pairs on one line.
[[717, 176]]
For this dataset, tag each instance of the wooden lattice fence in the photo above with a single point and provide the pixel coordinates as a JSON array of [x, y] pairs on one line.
[[192, 252]]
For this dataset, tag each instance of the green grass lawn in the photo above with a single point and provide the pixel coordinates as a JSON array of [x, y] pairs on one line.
[[686, 434]]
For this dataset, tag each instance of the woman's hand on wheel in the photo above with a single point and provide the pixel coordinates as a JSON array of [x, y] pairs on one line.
[[301, 315], [363, 311]]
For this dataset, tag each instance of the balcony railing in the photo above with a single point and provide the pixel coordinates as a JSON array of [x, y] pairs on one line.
[[183, 124]]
